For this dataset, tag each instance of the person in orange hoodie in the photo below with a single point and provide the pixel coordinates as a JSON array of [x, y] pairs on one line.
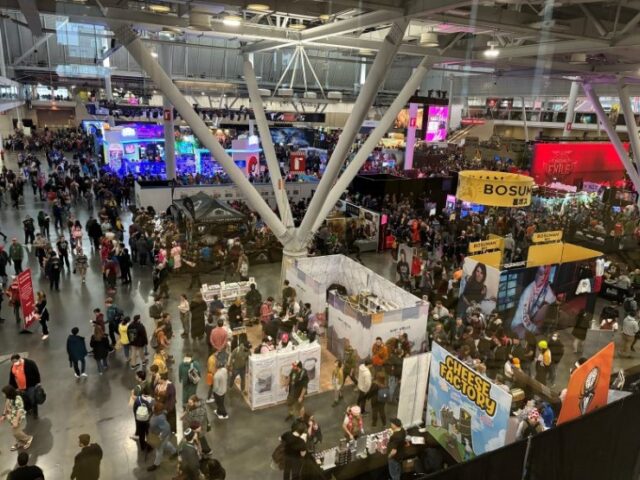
[[379, 353]]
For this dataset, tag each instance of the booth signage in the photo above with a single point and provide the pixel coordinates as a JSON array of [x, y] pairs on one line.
[[297, 162], [485, 245], [547, 237], [27, 301], [168, 115], [495, 189]]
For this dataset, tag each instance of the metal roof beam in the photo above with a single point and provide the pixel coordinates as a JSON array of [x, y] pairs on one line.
[[29, 9]]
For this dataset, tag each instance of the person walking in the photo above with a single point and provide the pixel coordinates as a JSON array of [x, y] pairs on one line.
[[99, 343], [123, 326], [198, 311], [395, 449], [298, 382], [165, 394], [114, 316], [337, 380], [160, 436], [81, 263], [556, 347], [62, 245], [195, 418], [4, 261], [185, 315], [13, 292], [77, 352], [378, 400], [137, 335], [42, 313], [190, 455], [24, 471], [29, 230], [52, 269], [142, 410], [15, 414], [239, 360], [220, 383], [364, 384], [543, 362], [629, 330], [125, 263], [25, 377], [16, 253], [189, 374], [86, 465]]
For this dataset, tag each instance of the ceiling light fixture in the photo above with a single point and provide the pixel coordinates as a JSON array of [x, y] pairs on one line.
[[297, 26], [578, 59], [258, 7], [428, 39], [325, 17], [157, 8], [232, 20], [492, 51], [154, 54]]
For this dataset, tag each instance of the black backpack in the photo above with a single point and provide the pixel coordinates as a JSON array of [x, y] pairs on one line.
[[132, 333]]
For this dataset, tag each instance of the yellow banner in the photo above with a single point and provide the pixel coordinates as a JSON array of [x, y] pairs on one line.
[[485, 245], [547, 237], [496, 189]]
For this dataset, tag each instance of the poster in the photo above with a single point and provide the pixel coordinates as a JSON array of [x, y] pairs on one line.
[[413, 389], [403, 267], [297, 162], [478, 286], [27, 300], [283, 364], [498, 189], [466, 413], [309, 355], [262, 381], [437, 123], [588, 387]]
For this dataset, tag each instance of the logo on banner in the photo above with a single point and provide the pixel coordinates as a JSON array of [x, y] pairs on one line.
[[27, 300], [468, 383], [494, 189], [547, 237], [485, 245]]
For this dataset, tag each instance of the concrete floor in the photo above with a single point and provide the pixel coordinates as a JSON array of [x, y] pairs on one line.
[[98, 405]]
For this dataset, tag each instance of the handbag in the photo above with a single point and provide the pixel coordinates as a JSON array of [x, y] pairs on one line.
[[153, 440], [384, 395], [40, 395]]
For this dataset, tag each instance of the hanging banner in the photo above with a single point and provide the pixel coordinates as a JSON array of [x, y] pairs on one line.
[[27, 300], [486, 245], [413, 389], [547, 237], [588, 386], [497, 189], [467, 414]]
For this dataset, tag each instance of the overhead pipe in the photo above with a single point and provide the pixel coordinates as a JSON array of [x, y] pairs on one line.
[[361, 157], [365, 99], [151, 67]]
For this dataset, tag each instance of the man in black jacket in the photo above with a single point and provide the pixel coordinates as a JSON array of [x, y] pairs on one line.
[[87, 462], [25, 376], [138, 340], [24, 471]]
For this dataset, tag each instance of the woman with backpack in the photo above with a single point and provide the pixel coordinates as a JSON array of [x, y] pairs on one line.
[[189, 374], [142, 410]]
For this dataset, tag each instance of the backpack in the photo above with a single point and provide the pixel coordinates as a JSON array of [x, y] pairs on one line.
[[384, 395], [40, 395], [143, 410], [193, 375], [132, 333], [154, 340]]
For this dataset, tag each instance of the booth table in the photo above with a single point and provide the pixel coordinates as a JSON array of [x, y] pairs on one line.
[[227, 292]]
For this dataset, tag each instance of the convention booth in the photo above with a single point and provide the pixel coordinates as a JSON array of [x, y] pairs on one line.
[[361, 305], [364, 224]]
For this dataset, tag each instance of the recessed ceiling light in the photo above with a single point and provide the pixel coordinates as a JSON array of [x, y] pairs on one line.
[[492, 51], [232, 20], [157, 8], [258, 7], [297, 26]]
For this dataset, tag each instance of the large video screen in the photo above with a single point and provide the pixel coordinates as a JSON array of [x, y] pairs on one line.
[[402, 121], [437, 123], [298, 137], [572, 163]]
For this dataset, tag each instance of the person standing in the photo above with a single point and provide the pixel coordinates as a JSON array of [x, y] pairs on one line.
[[29, 230], [14, 412], [337, 380], [86, 465], [14, 297], [81, 263], [190, 455], [125, 263], [395, 449], [198, 311], [579, 331], [24, 471], [160, 431], [234, 314], [123, 326], [53, 269], [142, 410], [195, 417], [220, 383], [239, 359], [349, 363], [62, 245], [298, 381], [556, 347], [25, 376], [378, 401], [189, 374], [43, 313], [543, 362], [137, 335], [295, 449], [99, 343], [253, 299], [77, 352], [629, 329], [114, 316], [4, 261], [185, 315], [219, 337], [364, 384], [16, 253]]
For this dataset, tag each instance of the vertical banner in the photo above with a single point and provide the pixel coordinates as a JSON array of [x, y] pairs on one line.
[[27, 300], [310, 358], [588, 387], [466, 413], [413, 389], [262, 384]]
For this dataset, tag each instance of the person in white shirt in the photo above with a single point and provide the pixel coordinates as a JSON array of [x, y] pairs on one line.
[[220, 382], [185, 315], [364, 384]]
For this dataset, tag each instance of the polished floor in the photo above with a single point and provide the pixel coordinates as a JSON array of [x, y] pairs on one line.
[[98, 405]]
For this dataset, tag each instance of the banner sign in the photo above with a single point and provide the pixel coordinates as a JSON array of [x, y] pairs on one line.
[[547, 237], [588, 387], [27, 300], [467, 414], [485, 245], [496, 189], [413, 389], [297, 162]]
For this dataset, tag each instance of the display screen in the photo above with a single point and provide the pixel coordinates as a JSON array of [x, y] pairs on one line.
[[403, 120], [572, 163], [437, 123], [299, 137]]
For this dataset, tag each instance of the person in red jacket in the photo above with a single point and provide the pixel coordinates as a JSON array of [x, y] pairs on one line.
[[379, 353]]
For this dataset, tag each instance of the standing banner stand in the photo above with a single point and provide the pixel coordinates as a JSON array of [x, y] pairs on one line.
[[27, 300], [268, 374], [413, 389]]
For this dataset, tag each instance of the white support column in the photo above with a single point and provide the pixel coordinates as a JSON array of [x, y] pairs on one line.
[[267, 143], [150, 66], [3, 65], [524, 119], [361, 157], [612, 134], [166, 62], [630, 120], [365, 99], [571, 108]]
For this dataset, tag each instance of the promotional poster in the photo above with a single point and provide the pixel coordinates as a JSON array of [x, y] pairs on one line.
[[478, 286], [437, 123], [588, 386], [466, 413], [27, 300]]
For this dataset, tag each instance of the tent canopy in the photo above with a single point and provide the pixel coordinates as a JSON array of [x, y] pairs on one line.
[[203, 208]]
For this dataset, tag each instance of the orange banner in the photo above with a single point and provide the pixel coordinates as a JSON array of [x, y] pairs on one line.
[[588, 386]]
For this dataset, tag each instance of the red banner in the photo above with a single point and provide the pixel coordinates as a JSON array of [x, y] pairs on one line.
[[27, 300], [297, 162], [588, 387], [575, 162]]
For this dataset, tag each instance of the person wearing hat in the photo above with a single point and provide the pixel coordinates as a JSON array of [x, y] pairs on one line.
[[530, 426], [509, 367], [543, 362], [87, 462], [353, 424], [189, 452], [395, 448]]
